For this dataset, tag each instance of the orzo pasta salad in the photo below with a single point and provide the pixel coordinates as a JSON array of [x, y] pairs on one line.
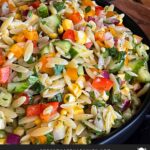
[[70, 71]]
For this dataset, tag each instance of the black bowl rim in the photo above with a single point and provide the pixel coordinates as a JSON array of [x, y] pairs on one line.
[[145, 105]]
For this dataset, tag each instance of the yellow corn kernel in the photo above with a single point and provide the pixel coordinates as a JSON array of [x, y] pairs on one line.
[[42, 139], [17, 16], [19, 131], [75, 90], [24, 7], [81, 37], [80, 82], [37, 121], [53, 35], [78, 110], [60, 29], [69, 98], [82, 140], [63, 112], [2, 141], [67, 24]]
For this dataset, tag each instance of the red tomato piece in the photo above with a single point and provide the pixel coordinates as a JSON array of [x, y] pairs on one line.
[[69, 34], [4, 74], [36, 4], [98, 10], [27, 98], [34, 110], [102, 84]]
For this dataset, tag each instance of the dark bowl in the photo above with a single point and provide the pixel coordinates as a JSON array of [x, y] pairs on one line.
[[121, 134]]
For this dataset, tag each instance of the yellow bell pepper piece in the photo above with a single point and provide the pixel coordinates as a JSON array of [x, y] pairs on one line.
[[67, 24], [75, 90]]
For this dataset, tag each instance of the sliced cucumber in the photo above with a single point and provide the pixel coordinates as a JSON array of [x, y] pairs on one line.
[[44, 50], [63, 44], [141, 50], [18, 87], [135, 65], [73, 52], [116, 66], [143, 75], [53, 22], [43, 11], [5, 98], [32, 80], [80, 71]]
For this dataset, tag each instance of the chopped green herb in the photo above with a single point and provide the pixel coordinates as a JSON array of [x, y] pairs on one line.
[[37, 88], [32, 80], [73, 52], [30, 13], [99, 103], [50, 138], [59, 6], [87, 9]]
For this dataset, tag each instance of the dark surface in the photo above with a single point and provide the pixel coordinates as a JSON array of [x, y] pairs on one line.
[[122, 134]]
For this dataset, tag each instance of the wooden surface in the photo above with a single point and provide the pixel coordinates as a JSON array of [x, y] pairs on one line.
[[138, 10]]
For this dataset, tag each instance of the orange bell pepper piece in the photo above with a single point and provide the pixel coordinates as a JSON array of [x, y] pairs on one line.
[[17, 50], [87, 3], [75, 17], [2, 58], [44, 60], [90, 13], [19, 38], [42, 139], [72, 73], [31, 35]]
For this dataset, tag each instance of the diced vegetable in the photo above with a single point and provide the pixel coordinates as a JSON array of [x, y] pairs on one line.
[[102, 84], [13, 139], [72, 73], [69, 34], [43, 10], [136, 65], [5, 98], [32, 80], [18, 87], [35, 4], [67, 24], [88, 45], [58, 69], [98, 10], [19, 37], [34, 110], [80, 71], [73, 52], [50, 138], [27, 98], [63, 44], [45, 50], [59, 6], [143, 75], [2, 134], [87, 9], [17, 50], [52, 22], [37, 88], [87, 3], [57, 98], [2, 58], [4, 74], [31, 35], [75, 17]]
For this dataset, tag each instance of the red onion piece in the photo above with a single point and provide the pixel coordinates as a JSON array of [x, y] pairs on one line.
[[13, 139], [88, 45], [105, 74], [90, 18], [126, 104]]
